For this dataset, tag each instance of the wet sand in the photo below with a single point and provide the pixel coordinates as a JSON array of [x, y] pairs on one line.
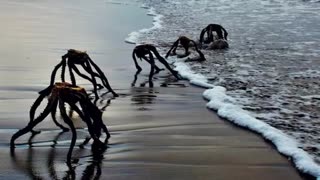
[[163, 132], [157, 133]]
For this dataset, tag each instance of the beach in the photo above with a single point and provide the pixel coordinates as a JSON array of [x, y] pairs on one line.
[[164, 132]]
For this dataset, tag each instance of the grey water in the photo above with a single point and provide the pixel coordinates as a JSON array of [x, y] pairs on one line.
[[272, 65]]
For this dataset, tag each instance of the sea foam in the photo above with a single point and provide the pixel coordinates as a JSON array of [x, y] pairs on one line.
[[227, 108], [133, 37]]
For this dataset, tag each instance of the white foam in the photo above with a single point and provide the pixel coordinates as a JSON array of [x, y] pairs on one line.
[[133, 37], [196, 79], [226, 107]]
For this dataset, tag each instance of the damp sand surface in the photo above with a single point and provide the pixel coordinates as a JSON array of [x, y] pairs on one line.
[[164, 132]]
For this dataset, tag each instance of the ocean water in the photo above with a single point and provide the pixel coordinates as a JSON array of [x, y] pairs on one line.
[[269, 78]]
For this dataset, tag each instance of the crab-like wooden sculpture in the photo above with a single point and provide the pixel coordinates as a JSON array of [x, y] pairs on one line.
[[186, 43], [221, 33], [58, 95], [76, 57], [141, 51]]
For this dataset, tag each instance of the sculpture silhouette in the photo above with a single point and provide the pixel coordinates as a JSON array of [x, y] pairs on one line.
[[209, 30], [185, 42], [141, 51], [59, 94], [75, 57]]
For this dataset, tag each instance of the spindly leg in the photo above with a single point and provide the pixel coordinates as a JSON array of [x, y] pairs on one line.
[[32, 124], [209, 35], [74, 67], [152, 63], [135, 79], [53, 115], [94, 82], [96, 116], [33, 108], [53, 74], [87, 139], [73, 79], [103, 77], [219, 33], [85, 67], [156, 67], [202, 58], [173, 49], [63, 72], [87, 120], [105, 129], [135, 61], [68, 121], [99, 86], [165, 63]]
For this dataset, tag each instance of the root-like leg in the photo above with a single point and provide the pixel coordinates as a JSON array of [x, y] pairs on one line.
[[135, 61], [152, 63], [94, 74], [68, 121], [99, 86], [156, 67], [104, 78], [96, 116], [63, 72], [87, 120], [53, 115], [33, 108], [135, 79], [165, 63], [173, 48], [73, 79], [32, 124], [94, 82], [53, 74]]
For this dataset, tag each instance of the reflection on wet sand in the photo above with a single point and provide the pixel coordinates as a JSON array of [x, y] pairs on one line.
[[133, 84], [143, 96], [35, 170]]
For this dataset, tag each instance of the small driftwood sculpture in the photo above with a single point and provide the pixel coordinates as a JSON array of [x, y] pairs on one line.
[[185, 42], [75, 57], [58, 95], [210, 36]]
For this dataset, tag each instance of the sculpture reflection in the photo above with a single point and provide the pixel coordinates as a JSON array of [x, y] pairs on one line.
[[35, 170], [133, 84]]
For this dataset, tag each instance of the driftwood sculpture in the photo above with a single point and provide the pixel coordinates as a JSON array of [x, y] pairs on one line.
[[186, 43], [221, 33], [75, 57], [58, 95], [141, 51]]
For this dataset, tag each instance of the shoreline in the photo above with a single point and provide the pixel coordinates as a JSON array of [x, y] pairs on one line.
[[221, 103], [159, 132]]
